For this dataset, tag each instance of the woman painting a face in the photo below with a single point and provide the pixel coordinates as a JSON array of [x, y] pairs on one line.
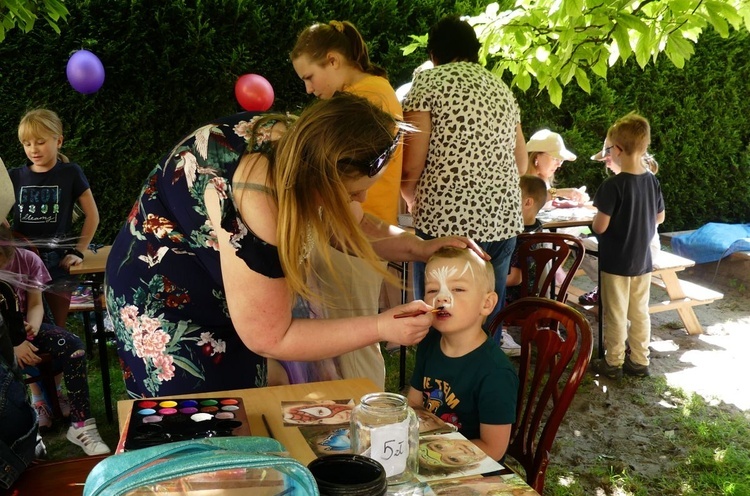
[[215, 254]]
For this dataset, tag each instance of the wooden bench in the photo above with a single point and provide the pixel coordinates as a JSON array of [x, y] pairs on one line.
[[683, 295]]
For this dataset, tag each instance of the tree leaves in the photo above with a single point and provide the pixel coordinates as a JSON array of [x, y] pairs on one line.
[[557, 41], [24, 13]]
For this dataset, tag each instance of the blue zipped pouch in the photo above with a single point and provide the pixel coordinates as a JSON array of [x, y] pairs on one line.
[[244, 465]]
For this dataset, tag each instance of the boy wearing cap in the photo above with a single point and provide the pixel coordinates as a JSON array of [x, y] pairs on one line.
[[590, 264], [630, 206], [547, 152]]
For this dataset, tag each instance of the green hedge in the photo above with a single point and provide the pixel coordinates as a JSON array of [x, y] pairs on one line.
[[171, 65]]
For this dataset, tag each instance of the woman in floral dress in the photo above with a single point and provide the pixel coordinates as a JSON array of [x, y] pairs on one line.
[[203, 277]]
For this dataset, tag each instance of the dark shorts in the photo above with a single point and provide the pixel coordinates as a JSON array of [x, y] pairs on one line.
[[52, 261]]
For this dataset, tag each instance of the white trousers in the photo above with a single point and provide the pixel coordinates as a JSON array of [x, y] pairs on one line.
[[626, 299]]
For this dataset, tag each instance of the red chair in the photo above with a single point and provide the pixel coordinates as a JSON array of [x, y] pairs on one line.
[[550, 251], [556, 345], [62, 478]]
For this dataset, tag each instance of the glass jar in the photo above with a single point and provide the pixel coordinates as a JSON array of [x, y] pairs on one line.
[[386, 429]]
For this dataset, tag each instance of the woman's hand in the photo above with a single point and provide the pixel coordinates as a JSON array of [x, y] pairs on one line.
[[428, 247], [25, 354], [408, 330], [70, 260], [577, 195]]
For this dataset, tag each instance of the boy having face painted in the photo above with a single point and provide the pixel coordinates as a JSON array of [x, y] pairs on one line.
[[461, 375]]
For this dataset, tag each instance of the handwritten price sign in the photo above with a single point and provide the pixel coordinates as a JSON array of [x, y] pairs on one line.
[[390, 446]]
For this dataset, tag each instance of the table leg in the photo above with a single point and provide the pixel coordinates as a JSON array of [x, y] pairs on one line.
[[103, 355], [402, 351], [686, 312], [600, 307]]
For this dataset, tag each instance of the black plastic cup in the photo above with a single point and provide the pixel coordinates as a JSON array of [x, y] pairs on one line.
[[348, 475]]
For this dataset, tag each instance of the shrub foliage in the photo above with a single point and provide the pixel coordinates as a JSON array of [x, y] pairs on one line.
[[171, 65]]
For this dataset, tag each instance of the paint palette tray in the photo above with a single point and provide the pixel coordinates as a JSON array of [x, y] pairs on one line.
[[155, 421]]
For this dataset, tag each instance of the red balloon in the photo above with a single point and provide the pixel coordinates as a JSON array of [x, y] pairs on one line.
[[254, 93]]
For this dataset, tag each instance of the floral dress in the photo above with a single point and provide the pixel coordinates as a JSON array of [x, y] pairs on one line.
[[165, 293]]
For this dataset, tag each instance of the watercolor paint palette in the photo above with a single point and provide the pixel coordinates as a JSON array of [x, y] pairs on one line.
[[163, 420]]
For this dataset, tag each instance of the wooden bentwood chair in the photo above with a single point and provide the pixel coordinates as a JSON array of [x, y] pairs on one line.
[[554, 336], [540, 255]]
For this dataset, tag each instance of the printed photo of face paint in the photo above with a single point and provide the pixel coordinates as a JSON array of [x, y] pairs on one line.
[[158, 421]]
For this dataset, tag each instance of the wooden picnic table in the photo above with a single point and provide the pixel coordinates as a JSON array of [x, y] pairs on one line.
[[682, 295]]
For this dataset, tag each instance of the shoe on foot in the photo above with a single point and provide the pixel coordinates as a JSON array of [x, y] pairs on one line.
[[635, 369], [64, 403], [43, 415], [590, 298], [509, 346], [88, 438], [601, 367]]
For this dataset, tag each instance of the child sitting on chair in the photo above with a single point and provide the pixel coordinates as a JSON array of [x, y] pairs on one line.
[[30, 276], [533, 198], [460, 375]]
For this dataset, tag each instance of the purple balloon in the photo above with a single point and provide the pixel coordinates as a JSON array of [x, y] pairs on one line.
[[85, 72]]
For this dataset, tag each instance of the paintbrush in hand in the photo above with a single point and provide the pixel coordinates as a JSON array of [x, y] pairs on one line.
[[417, 313]]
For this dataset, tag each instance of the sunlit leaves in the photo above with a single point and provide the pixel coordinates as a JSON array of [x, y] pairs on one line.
[[558, 41], [24, 13]]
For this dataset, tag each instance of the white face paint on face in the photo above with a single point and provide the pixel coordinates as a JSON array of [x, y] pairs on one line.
[[443, 275]]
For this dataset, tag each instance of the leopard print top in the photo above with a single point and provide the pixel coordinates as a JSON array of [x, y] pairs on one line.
[[469, 186]]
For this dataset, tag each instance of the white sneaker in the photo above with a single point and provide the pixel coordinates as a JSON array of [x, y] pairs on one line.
[[88, 438], [509, 346]]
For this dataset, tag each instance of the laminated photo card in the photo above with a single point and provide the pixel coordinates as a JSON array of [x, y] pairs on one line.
[[323, 412], [451, 455]]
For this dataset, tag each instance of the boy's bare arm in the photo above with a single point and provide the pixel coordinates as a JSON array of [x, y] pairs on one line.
[[514, 277], [600, 223], [660, 217], [415, 398], [493, 439]]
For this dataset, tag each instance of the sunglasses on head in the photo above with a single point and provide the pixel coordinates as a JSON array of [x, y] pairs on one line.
[[382, 160]]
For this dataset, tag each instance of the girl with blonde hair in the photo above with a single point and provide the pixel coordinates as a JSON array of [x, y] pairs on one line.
[[47, 191], [331, 57]]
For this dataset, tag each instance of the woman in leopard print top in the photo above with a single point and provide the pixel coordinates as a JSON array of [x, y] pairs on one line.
[[461, 171]]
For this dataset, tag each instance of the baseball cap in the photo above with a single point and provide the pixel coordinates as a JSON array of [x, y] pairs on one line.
[[599, 157], [548, 142]]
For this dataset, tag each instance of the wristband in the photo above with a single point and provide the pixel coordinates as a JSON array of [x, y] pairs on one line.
[[73, 251]]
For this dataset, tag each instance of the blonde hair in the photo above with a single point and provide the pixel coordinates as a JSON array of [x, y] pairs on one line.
[[650, 163], [41, 123], [338, 36], [483, 269], [632, 133], [333, 140], [532, 163]]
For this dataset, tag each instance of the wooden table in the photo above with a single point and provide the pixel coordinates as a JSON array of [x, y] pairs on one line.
[[559, 218], [93, 267], [267, 401]]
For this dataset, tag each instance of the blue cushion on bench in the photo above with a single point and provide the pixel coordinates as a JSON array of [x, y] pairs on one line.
[[712, 242]]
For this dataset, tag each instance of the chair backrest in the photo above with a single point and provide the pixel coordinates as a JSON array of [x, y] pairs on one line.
[[553, 336], [539, 250]]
